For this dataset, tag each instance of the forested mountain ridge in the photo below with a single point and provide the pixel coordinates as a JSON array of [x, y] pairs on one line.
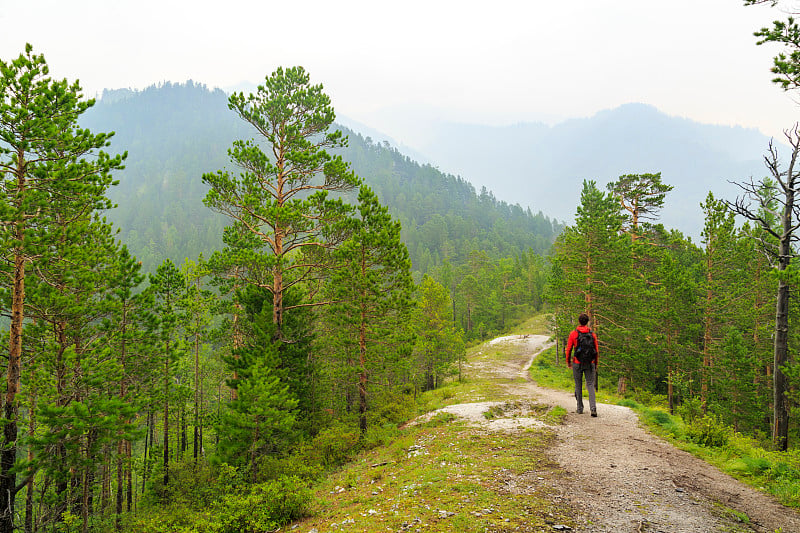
[[544, 165], [176, 132]]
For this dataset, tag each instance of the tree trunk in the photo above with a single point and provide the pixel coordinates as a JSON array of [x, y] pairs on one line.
[[780, 430], [8, 452], [29, 486], [780, 433], [196, 439], [166, 418], [622, 385], [362, 382], [120, 480], [670, 393], [129, 474]]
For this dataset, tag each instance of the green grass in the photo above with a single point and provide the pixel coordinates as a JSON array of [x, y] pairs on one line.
[[443, 475], [450, 478]]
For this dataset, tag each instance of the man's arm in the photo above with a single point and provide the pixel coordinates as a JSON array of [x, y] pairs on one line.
[[568, 349]]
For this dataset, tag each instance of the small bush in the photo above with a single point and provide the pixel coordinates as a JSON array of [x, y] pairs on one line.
[[265, 507], [270, 467], [691, 409], [395, 408], [441, 418], [380, 436], [659, 417], [708, 431], [334, 446], [756, 465]]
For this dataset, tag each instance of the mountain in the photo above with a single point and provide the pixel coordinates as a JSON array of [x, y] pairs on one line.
[[174, 133], [543, 167]]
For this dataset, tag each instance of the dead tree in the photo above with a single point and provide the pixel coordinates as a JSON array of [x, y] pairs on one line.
[[778, 218]]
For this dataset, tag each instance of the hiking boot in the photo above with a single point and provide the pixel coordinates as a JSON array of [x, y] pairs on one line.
[[594, 413], [579, 411]]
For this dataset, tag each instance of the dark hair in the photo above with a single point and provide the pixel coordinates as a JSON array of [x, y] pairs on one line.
[[583, 319]]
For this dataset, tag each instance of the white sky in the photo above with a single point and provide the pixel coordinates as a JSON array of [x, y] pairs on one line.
[[492, 62]]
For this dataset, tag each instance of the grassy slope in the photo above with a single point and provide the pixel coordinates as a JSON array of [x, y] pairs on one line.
[[446, 476], [443, 475]]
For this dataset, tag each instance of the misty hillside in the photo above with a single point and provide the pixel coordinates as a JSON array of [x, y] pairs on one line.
[[175, 133], [544, 166]]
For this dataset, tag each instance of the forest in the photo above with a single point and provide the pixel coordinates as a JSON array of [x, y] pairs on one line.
[[304, 330], [200, 327]]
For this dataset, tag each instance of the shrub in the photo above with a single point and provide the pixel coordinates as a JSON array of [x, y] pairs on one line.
[[265, 507], [380, 436], [395, 408], [272, 467], [708, 431], [756, 465], [334, 446], [691, 409]]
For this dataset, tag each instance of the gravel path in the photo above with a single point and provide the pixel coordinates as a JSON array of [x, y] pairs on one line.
[[620, 478]]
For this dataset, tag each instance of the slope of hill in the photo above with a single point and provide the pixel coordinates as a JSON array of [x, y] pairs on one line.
[[543, 166], [499, 454], [176, 132]]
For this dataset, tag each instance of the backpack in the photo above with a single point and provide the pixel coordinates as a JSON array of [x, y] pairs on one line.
[[585, 351]]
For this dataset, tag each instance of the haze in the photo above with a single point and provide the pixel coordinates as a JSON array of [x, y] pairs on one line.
[[396, 66]]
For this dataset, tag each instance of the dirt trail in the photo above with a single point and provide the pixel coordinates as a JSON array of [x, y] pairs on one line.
[[622, 479]]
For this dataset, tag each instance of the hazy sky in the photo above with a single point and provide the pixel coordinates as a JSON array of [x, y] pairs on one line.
[[492, 62]]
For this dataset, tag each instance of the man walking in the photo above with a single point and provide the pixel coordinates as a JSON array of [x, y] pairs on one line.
[[583, 361]]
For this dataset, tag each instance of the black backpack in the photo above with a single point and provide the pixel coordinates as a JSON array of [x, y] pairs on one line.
[[585, 351]]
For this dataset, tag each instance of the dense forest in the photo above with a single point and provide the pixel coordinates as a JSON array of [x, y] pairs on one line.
[[292, 327]]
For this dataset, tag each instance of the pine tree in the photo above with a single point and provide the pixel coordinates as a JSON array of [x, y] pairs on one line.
[[282, 199], [196, 305], [371, 290], [438, 344], [168, 285], [641, 195], [591, 261], [46, 161], [719, 288], [776, 215]]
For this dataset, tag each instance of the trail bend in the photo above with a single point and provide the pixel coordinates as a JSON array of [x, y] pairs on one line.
[[619, 477]]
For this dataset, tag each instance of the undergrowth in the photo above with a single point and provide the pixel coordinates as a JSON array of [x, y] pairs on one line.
[[705, 436]]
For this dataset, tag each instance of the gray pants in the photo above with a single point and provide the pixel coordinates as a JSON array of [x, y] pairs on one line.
[[578, 373]]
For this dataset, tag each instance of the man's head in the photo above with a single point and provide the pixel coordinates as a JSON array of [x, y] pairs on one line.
[[583, 319]]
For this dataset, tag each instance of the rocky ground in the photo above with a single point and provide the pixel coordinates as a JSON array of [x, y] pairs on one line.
[[618, 477]]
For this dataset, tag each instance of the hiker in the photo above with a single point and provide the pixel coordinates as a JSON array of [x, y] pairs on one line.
[[583, 361]]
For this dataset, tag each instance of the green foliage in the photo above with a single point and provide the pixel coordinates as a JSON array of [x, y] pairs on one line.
[[264, 506], [333, 446], [691, 409], [708, 431], [249, 509], [439, 345], [262, 416], [395, 406]]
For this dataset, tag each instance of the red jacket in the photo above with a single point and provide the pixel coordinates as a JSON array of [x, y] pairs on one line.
[[572, 341]]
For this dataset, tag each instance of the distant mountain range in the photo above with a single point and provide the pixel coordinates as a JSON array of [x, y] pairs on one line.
[[543, 167], [532, 173], [174, 133]]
